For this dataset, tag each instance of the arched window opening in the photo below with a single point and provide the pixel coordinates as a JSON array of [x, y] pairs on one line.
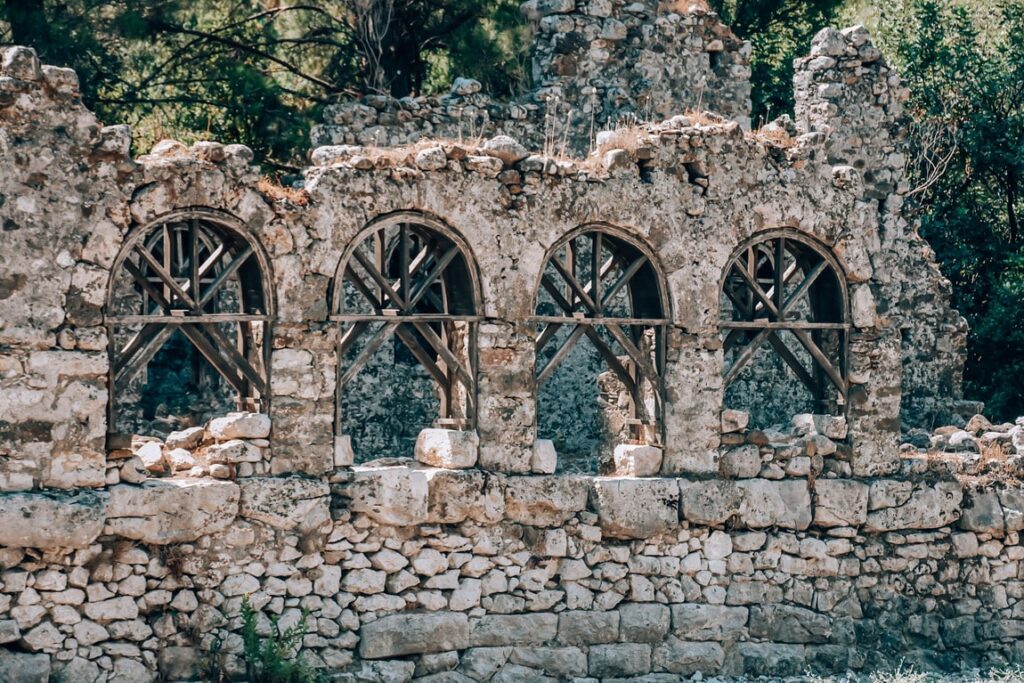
[[785, 329], [188, 316], [407, 300], [600, 286]]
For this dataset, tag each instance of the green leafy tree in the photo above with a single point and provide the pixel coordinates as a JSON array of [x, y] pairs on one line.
[[963, 62]]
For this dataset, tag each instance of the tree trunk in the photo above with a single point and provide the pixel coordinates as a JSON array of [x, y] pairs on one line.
[[28, 24]]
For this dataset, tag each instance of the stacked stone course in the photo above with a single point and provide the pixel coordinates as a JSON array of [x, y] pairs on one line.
[[820, 543]]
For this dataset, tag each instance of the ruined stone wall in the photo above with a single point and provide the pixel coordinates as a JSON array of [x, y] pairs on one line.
[[729, 549], [596, 66]]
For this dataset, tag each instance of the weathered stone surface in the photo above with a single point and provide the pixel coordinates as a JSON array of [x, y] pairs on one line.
[[580, 627], [743, 462], [171, 510], [51, 520], [407, 634], [982, 512], [927, 507], [513, 629], [619, 660], [545, 501], [455, 496], [788, 624], [708, 622], [545, 458], [635, 460], [785, 504], [239, 426], [770, 659], [840, 502], [620, 517], [285, 502], [710, 502], [564, 662], [450, 448], [641, 622], [686, 658], [18, 667], [390, 495]]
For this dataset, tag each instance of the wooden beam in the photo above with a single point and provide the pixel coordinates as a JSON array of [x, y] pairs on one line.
[[745, 356], [560, 355], [626, 276], [224, 274], [803, 288], [128, 364], [822, 360], [428, 363], [576, 287], [381, 281], [371, 347], [169, 282], [431, 277]]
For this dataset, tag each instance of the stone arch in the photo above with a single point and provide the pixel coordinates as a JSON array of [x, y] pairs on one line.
[[207, 349], [411, 279], [604, 284], [785, 323]]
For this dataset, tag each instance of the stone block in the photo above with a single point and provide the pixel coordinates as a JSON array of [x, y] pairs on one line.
[[840, 502], [619, 660], [513, 629], [397, 635], [769, 659], [564, 662], [789, 624], [455, 495], [708, 622], [636, 508], [19, 667], [710, 503], [51, 520], [545, 457], [785, 504], [584, 627], [344, 456], [545, 501], [734, 420], [1012, 500], [928, 506], [743, 462], [448, 448], [286, 503], [239, 426], [687, 658], [171, 510], [180, 663], [637, 460], [982, 513], [643, 622], [394, 496]]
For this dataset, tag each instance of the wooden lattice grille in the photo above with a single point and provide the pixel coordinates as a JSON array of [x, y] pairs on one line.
[[198, 275], [605, 288], [786, 292], [412, 279]]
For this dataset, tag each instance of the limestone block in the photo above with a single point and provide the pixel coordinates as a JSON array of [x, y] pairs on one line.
[[457, 495], [51, 520], [785, 504], [983, 514], [395, 496], [545, 501], [545, 457], [775, 659], [151, 454], [186, 438], [563, 662], [233, 451], [431, 159], [840, 502], [586, 627], [180, 459], [286, 503], [636, 508], [75, 470], [687, 658], [409, 634], [929, 506], [789, 624], [449, 448], [513, 629], [643, 622], [18, 667], [1012, 500], [734, 420], [743, 462], [344, 456], [710, 503], [692, 621], [239, 426], [637, 460], [465, 86], [171, 510], [505, 148], [619, 660]]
